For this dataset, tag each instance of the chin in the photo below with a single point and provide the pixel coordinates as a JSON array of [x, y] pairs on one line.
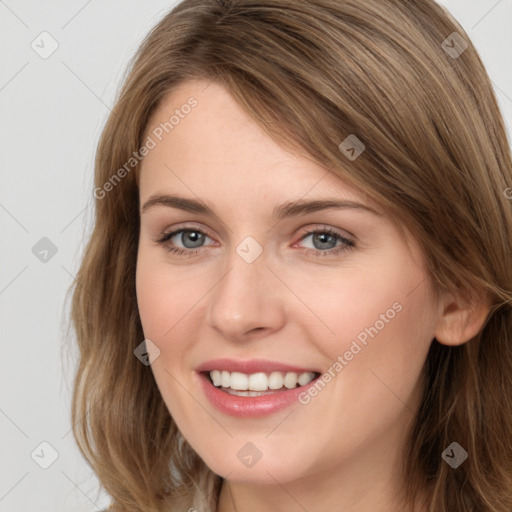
[[264, 471]]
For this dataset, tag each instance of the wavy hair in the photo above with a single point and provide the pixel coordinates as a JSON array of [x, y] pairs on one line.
[[436, 158]]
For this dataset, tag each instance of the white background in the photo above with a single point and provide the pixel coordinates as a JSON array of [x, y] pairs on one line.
[[51, 115]]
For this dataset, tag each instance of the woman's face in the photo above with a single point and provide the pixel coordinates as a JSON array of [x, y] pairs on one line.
[[353, 303]]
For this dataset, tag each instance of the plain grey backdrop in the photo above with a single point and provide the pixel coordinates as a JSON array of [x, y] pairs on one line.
[[61, 64]]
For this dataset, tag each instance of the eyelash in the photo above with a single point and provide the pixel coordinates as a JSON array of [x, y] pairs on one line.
[[347, 244]]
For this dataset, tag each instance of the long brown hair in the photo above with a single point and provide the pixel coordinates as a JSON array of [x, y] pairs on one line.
[[436, 158]]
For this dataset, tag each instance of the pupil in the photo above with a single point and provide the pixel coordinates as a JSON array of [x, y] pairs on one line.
[[194, 234], [324, 237]]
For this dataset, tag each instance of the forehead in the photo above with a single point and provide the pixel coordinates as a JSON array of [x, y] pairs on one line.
[[216, 147]]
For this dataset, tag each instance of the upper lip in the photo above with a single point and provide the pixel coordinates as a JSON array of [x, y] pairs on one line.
[[250, 366]]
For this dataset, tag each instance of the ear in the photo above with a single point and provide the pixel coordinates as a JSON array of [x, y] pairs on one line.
[[461, 318]]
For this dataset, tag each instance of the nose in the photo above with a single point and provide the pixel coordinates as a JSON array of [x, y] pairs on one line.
[[248, 301]]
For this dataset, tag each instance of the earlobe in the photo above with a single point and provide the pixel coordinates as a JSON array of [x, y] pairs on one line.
[[461, 320]]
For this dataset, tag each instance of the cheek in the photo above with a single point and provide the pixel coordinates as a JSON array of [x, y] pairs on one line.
[[171, 308], [383, 332], [381, 321], [362, 305], [164, 304], [164, 298]]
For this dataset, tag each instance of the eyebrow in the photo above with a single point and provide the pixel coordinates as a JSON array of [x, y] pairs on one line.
[[290, 209]]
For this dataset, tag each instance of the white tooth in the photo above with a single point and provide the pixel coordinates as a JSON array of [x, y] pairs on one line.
[[290, 380], [275, 381], [216, 377], [258, 381], [239, 381], [226, 378], [305, 378]]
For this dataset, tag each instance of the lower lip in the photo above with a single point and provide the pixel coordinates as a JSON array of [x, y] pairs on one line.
[[250, 406]]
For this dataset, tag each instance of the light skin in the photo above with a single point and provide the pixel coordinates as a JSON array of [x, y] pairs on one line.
[[341, 451]]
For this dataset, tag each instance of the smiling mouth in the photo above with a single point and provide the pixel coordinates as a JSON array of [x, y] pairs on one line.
[[258, 384]]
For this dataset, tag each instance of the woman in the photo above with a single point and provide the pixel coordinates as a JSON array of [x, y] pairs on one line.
[[229, 360]]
